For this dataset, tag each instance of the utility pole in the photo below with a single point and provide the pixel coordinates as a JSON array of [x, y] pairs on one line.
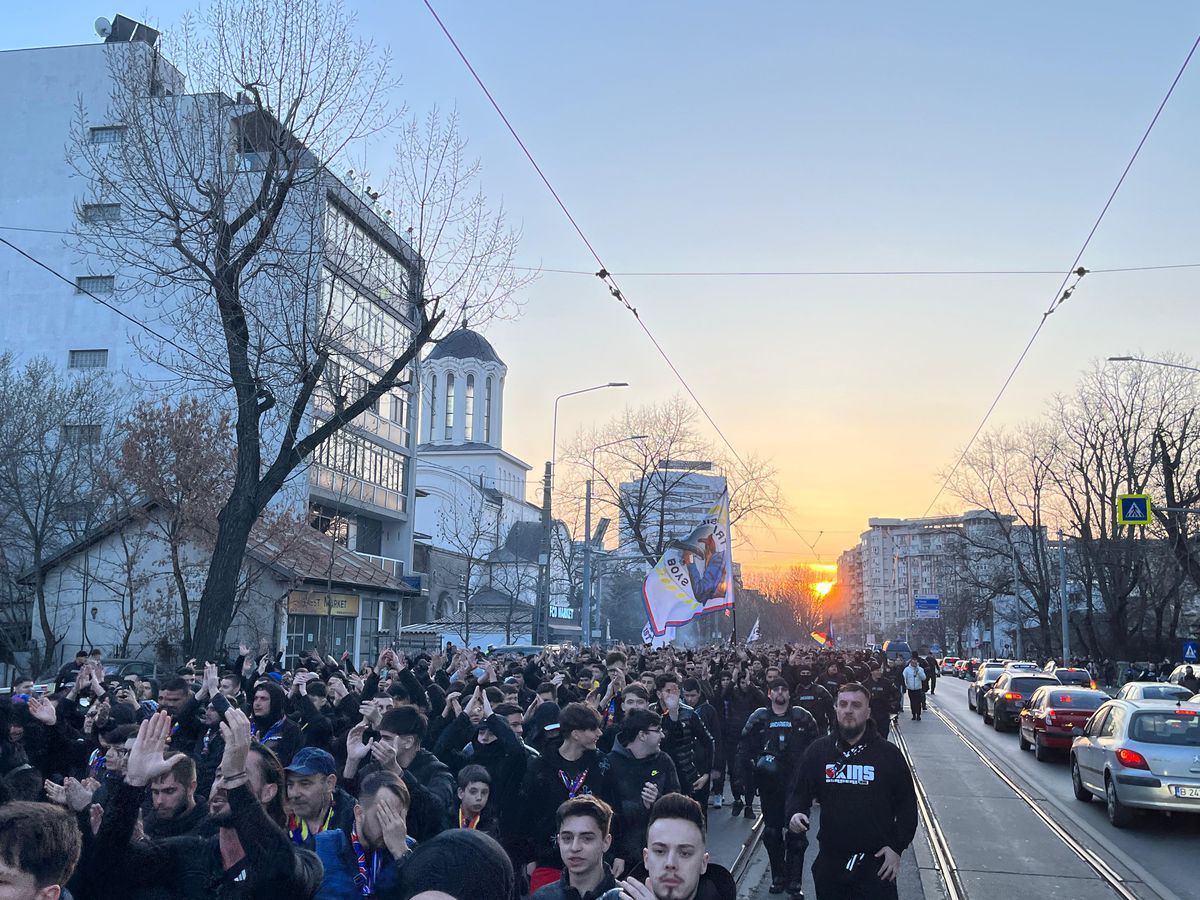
[[586, 605], [1063, 603], [1020, 616], [541, 629]]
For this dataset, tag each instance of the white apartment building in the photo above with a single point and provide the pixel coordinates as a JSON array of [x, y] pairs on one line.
[[359, 488]]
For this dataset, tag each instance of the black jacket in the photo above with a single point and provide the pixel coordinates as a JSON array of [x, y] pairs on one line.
[[190, 867], [622, 776], [715, 884], [544, 790], [562, 890], [817, 701], [689, 745], [866, 794], [434, 793], [195, 821], [782, 739]]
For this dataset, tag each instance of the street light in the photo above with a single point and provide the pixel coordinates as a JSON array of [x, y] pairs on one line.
[[541, 612], [586, 605], [1152, 362]]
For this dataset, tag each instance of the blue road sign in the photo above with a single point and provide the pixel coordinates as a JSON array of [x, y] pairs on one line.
[[927, 606], [1191, 651], [935, 649], [1134, 509]]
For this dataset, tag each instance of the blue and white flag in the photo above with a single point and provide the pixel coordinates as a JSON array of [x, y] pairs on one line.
[[753, 635], [694, 576]]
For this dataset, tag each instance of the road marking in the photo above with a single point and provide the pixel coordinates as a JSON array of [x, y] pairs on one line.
[[1097, 864]]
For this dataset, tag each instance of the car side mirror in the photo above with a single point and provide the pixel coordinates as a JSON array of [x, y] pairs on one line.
[[1076, 731]]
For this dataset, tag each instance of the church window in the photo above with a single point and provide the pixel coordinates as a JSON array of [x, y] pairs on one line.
[[432, 404], [487, 410], [470, 410], [450, 407]]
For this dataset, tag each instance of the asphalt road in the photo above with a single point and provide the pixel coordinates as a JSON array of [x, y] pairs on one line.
[[1157, 849]]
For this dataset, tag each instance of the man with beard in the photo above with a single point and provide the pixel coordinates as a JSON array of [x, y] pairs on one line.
[[884, 697], [771, 750], [251, 855], [813, 697], [173, 796], [868, 804], [675, 865]]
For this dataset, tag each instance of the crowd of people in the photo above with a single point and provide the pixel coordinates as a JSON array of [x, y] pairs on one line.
[[581, 774]]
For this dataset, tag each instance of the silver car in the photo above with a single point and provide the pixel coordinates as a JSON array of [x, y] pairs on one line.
[[1139, 754], [1152, 690]]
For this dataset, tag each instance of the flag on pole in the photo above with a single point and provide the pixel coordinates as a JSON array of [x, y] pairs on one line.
[[694, 576], [825, 638], [754, 635]]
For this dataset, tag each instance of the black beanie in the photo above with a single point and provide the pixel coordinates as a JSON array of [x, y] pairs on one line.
[[464, 863]]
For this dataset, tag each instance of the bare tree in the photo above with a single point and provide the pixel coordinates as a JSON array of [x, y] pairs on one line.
[[54, 428], [224, 213]]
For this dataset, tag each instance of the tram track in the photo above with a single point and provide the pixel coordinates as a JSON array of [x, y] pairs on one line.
[[946, 864], [741, 863]]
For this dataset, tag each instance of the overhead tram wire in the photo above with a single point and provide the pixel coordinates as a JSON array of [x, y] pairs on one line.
[[603, 274], [1064, 292]]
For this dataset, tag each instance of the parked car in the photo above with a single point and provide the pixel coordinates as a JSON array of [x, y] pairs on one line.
[[985, 677], [143, 668], [1075, 675], [1052, 714], [1018, 665], [1139, 754], [946, 665], [1153, 690], [1002, 704]]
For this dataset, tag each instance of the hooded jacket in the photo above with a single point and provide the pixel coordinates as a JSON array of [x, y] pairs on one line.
[[622, 776], [275, 730]]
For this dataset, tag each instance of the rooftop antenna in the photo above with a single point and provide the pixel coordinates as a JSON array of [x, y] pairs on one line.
[[103, 27]]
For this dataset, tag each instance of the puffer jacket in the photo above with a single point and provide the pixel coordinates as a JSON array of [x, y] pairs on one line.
[[622, 776], [689, 745]]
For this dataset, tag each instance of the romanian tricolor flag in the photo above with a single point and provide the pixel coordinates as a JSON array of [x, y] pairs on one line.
[[825, 638]]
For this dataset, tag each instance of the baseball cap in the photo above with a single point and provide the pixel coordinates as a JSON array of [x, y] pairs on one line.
[[312, 761]]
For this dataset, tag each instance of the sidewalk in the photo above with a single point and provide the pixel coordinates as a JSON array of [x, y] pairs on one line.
[[1000, 846]]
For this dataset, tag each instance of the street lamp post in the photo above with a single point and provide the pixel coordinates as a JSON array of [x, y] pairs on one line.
[[541, 612], [586, 605], [1153, 362]]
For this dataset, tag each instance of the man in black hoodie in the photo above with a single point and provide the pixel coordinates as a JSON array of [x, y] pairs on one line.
[[176, 811], [868, 804], [269, 724], [632, 777]]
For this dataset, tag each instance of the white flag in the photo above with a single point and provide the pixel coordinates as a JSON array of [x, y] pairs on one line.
[[754, 635], [695, 574]]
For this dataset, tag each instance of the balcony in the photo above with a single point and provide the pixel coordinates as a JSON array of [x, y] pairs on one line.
[[394, 567], [346, 488], [368, 421]]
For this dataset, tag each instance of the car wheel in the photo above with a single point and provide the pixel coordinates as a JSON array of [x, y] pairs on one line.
[[970, 702], [1082, 794], [1119, 814], [1040, 752], [1021, 742], [997, 722]]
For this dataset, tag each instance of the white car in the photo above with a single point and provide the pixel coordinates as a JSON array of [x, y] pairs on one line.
[[1152, 690]]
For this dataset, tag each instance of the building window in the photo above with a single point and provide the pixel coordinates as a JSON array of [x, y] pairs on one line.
[[106, 134], [79, 435], [470, 410], [94, 284], [93, 213], [328, 520], [432, 404], [487, 410], [450, 407], [88, 359]]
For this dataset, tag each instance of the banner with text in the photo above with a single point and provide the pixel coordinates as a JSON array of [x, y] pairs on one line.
[[695, 574]]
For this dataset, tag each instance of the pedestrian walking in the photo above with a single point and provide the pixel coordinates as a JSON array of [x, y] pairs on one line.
[[914, 682]]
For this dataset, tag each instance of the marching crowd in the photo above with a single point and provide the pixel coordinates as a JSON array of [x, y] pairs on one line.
[[572, 774]]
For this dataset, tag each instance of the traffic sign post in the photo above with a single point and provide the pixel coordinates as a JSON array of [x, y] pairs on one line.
[[1191, 651], [1134, 509], [927, 606]]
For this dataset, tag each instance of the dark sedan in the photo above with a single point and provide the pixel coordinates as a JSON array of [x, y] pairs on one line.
[[1002, 705], [985, 677], [1049, 716]]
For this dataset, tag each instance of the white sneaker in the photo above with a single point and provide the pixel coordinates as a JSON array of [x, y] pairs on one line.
[[716, 801]]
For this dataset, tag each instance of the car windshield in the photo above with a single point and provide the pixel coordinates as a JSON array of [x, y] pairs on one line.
[[1076, 699], [1178, 727], [991, 673], [1164, 692], [1080, 677]]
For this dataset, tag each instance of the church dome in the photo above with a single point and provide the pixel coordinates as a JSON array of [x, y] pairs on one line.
[[465, 344]]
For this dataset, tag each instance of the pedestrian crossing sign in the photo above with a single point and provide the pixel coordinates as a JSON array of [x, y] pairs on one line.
[[1134, 509]]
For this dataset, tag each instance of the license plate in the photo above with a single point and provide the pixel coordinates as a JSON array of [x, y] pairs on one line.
[[1187, 793]]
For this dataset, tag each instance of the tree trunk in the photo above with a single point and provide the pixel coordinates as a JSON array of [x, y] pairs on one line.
[[217, 600], [180, 585], [49, 638]]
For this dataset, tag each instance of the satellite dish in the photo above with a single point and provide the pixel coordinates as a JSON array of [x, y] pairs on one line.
[[103, 27]]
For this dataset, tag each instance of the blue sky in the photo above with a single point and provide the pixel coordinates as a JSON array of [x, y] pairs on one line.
[[798, 136]]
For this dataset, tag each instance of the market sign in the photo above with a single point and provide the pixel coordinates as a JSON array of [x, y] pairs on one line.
[[319, 603]]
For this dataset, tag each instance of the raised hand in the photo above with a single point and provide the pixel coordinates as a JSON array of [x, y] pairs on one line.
[[236, 731], [42, 710], [385, 754], [55, 793], [79, 793], [355, 748], [145, 761]]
